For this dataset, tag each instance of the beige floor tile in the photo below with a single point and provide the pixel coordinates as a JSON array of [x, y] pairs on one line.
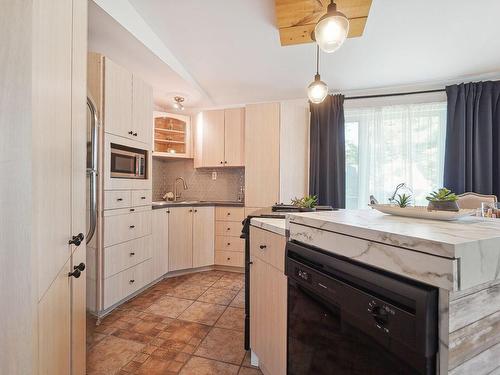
[[239, 300], [169, 307], [232, 318], [229, 283], [218, 296], [223, 345], [187, 291], [110, 354], [203, 366], [249, 371], [246, 360], [204, 313], [154, 366]]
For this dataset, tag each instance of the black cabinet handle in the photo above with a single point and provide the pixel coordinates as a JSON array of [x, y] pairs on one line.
[[225, 162], [135, 134], [168, 211], [250, 263], [228, 228], [228, 258], [80, 267], [222, 162], [143, 197], [76, 240], [132, 281], [132, 226], [76, 274], [195, 210], [132, 209], [119, 199], [190, 210], [132, 254], [263, 247], [229, 244], [131, 132], [229, 214]]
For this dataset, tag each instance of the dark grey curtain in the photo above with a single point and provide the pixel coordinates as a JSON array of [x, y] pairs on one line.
[[472, 154], [327, 161]]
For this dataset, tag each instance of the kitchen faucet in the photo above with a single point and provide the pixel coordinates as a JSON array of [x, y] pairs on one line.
[[184, 185]]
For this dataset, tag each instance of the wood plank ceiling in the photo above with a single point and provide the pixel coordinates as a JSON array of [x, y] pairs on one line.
[[296, 18]]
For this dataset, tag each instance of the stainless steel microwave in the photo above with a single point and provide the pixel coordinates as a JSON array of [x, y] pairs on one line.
[[128, 162]]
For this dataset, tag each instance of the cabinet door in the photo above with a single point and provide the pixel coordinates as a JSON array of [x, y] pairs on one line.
[[117, 100], [212, 139], [234, 137], [54, 324], [257, 301], [160, 242], [203, 236], [142, 110], [180, 238], [262, 154], [78, 315]]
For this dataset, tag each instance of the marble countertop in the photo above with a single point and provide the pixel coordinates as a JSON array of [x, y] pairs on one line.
[[452, 239], [165, 204], [277, 226]]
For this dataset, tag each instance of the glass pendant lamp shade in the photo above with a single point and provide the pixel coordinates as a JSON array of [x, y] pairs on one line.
[[317, 90], [331, 30]]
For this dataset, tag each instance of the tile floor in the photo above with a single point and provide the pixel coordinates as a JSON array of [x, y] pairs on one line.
[[187, 325]]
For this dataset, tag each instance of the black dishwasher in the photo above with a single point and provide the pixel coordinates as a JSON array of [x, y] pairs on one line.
[[348, 318]]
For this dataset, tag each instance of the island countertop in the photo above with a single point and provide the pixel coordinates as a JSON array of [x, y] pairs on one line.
[[466, 252]]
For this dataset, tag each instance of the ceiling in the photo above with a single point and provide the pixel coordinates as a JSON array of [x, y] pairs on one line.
[[232, 50]]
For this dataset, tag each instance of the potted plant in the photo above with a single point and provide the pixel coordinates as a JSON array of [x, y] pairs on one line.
[[307, 203], [442, 200], [403, 200]]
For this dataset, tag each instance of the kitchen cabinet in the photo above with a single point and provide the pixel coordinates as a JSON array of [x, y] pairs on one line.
[[276, 152], [172, 135], [125, 101], [180, 238], [191, 237], [203, 236], [268, 301], [220, 138], [229, 247], [160, 232], [142, 110]]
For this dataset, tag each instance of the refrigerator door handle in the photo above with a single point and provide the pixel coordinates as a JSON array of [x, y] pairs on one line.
[[92, 170]]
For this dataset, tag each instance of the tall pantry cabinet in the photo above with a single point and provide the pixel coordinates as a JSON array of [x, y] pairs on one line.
[[43, 149]]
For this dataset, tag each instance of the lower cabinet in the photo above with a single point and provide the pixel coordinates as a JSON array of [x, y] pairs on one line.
[[191, 237], [159, 246], [268, 301]]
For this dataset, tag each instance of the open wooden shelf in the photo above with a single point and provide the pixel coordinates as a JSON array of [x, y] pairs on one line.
[[172, 135]]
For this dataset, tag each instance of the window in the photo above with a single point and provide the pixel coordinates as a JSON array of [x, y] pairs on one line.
[[387, 145]]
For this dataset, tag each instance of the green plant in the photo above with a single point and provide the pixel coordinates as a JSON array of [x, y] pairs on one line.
[[442, 195], [309, 201], [403, 200]]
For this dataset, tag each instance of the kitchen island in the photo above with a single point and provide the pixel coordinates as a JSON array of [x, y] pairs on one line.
[[461, 258]]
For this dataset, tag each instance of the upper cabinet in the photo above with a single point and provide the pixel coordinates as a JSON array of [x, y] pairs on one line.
[[172, 135], [127, 108], [220, 138]]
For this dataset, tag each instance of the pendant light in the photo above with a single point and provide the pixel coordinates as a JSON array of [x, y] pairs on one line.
[[332, 29], [317, 90], [178, 100]]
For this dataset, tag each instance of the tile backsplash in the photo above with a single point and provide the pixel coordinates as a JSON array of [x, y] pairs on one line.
[[199, 181]]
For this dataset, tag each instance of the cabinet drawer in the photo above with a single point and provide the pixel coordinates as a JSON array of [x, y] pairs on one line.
[[125, 255], [268, 246], [228, 228], [123, 284], [229, 258], [126, 226], [230, 214], [116, 199], [141, 197], [229, 243]]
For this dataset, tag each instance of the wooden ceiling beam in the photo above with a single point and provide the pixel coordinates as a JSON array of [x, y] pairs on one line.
[[296, 18]]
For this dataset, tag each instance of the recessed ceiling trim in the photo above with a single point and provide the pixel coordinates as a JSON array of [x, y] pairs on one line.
[[126, 15]]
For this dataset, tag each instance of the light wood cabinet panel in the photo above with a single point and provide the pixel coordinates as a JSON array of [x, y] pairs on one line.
[[262, 166], [54, 322], [268, 246], [268, 309], [234, 137], [230, 214], [124, 226], [116, 199], [127, 254], [117, 99], [78, 314], [160, 242], [226, 243], [229, 258], [203, 236], [142, 110], [180, 238], [141, 197], [210, 139], [228, 228]]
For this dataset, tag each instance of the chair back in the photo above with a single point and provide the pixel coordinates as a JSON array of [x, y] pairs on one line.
[[474, 200]]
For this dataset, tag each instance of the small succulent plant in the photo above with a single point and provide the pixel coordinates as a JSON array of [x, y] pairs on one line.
[[403, 200], [442, 195], [309, 201]]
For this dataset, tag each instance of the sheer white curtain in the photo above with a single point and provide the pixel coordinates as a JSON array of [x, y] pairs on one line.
[[387, 145]]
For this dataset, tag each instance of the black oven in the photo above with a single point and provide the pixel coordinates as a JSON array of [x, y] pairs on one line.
[[347, 318], [128, 162]]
